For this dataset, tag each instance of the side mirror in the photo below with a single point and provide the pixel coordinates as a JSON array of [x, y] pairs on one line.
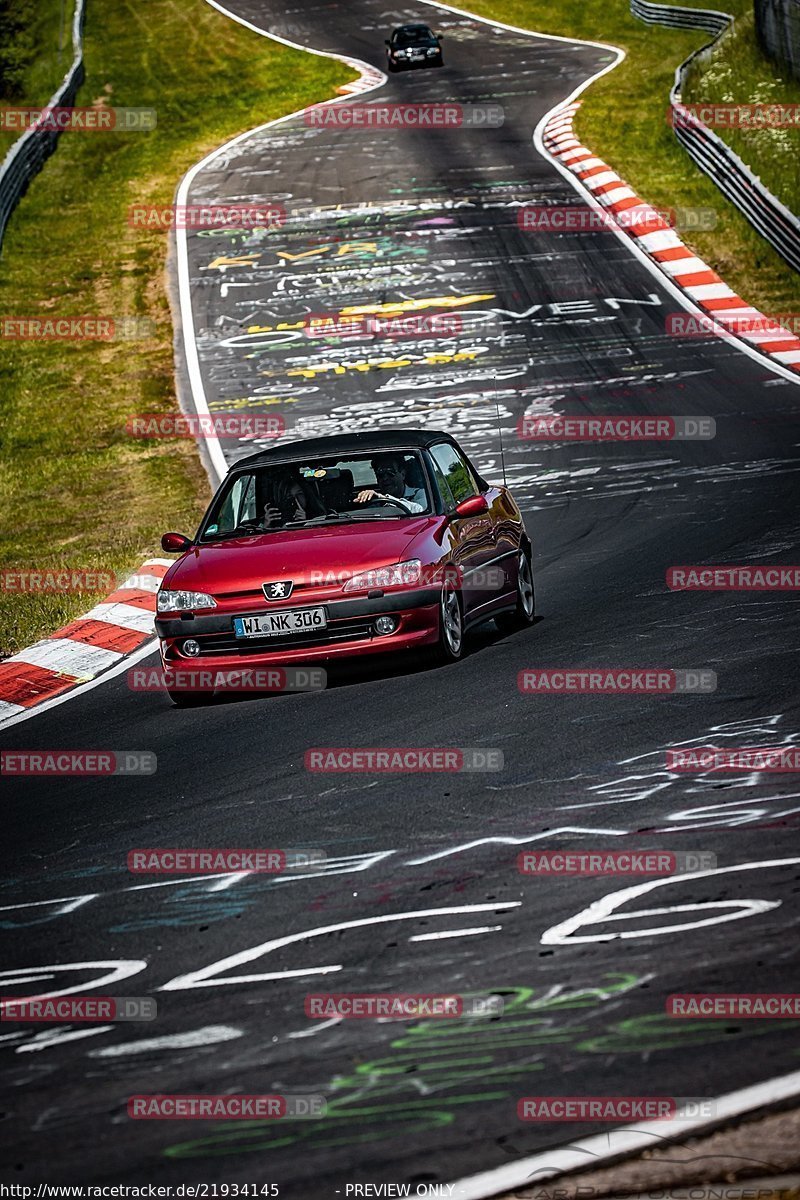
[[440, 36], [473, 506], [175, 543]]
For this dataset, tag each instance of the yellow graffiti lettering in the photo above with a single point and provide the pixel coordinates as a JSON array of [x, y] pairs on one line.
[[312, 372], [416, 305], [315, 253], [384, 364], [279, 328], [446, 358], [357, 248], [225, 405], [245, 260], [250, 402]]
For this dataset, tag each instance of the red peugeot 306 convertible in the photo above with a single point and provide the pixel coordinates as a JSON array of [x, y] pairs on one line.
[[342, 546]]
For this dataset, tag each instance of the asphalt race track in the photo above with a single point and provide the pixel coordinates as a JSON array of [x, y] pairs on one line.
[[420, 891]]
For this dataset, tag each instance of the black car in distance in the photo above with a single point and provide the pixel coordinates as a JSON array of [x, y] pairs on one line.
[[413, 46]]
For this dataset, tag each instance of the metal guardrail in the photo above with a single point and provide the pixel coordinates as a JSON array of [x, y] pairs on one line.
[[767, 215], [680, 18], [29, 152]]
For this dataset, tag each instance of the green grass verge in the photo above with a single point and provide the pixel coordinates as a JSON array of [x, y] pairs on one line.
[[78, 492], [738, 72], [623, 119], [35, 53]]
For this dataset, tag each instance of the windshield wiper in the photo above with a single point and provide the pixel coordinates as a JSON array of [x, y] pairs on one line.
[[313, 521], [233, 533], [374, 516], [328, 519]]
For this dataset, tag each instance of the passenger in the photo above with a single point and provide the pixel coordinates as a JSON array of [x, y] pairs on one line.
[[290, 498]]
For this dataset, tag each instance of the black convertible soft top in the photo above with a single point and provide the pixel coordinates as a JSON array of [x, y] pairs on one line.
[[342, 444]]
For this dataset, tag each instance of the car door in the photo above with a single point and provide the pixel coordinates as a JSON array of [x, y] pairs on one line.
[[473, 543]]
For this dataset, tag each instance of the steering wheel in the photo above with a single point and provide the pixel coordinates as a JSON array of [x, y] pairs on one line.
[[386, 500]]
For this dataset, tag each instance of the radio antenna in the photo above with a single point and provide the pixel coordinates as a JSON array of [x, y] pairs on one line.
[[500, 432]]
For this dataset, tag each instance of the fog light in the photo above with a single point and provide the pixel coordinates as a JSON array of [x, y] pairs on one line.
[[191, 648], [386, 624]]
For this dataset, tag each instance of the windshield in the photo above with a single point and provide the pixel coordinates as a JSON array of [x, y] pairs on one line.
[[385, 486], [414, 37]]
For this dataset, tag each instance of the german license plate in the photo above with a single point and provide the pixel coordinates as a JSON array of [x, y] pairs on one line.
[[292, 620]]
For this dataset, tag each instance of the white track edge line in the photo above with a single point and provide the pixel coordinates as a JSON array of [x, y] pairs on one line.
[[490, 1183], [148, 647], [593, 1151], [191, 356], [682, 297], [184, 288], [189, 342]]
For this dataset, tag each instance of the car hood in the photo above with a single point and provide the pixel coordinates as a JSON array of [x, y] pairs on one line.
[[241, 564]]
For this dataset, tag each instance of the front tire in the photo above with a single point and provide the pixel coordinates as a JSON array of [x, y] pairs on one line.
[[451, 624], [525, 612]]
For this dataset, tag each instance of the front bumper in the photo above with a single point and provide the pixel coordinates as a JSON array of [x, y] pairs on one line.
[[349, 633], [403, 64]]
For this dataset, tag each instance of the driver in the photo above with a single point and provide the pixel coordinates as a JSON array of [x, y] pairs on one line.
[[390, 475]]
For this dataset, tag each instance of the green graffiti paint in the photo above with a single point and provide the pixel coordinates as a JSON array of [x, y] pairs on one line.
[[656, 1031], [442, 1061], [431, 1056]]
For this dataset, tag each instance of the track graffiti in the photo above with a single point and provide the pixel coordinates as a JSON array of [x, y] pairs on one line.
[[434, 1067]]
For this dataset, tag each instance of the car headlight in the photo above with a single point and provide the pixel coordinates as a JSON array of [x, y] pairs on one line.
[[167, 601], [432, 51], [400, 53], [404, 574]]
